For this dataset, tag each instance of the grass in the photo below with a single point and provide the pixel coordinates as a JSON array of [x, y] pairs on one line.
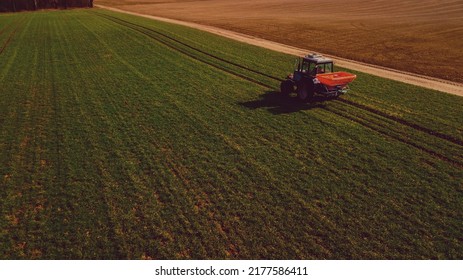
[[115, 146]]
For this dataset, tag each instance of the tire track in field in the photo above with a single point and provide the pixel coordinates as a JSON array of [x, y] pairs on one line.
[[359, 119], [175, 171], [12, 34], [28, 162], [63, 195], [112, 187], [170, 46], [431, 132], [367, 122], [173, 167], [349, 102], [7, 26], [188, 46], [381, 71], [362, 123], [232, 145]]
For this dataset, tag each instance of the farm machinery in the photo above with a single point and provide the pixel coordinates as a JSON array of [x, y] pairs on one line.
[[314, 74]]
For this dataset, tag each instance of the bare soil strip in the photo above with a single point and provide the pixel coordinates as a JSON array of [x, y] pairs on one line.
[[401, 76]]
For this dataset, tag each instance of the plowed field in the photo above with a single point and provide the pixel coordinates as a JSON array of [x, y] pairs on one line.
[[127, 138], [423, 37]]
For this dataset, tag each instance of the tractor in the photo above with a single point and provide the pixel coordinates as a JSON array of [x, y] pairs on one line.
[[314, 74]]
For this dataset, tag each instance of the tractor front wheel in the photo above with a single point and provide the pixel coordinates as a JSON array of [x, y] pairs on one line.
[[286, 87]]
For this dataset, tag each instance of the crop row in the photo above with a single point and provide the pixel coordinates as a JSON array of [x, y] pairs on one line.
[[379, 121], [116, 143]]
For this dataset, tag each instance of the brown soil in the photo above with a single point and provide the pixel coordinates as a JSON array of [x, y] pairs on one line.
[[406, 77], [420, 36]]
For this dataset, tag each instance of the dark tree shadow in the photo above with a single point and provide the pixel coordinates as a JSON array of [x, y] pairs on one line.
[[277, 104]]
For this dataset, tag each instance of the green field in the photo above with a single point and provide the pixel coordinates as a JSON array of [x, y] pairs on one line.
[[129, 139]]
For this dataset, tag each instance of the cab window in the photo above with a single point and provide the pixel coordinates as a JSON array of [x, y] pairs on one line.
[[328, 67], [312, 67], [305, 67]]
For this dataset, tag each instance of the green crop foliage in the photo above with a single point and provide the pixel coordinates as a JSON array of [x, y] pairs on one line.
[[114, 145]]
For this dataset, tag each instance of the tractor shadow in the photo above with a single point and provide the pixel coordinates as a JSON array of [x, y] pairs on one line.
[[277, 104]]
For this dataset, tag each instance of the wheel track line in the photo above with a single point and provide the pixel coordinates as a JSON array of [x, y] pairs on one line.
[[191, 47], [367, 123], [380, 122], [12, 34], [114, 228], [349, 102], [170, 163], [190, 55], [252, 163], [21, 207], [442, 85], [403, 122], [144, 177], [7, 26], [360, 106]]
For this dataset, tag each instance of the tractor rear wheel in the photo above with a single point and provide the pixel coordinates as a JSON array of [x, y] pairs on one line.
[[286, 87], [305, 92]]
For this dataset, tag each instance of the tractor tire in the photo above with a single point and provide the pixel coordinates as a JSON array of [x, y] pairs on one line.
[[286, 87], [305, 92]]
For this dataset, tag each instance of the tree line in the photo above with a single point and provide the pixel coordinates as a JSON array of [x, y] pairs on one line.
[[24, 5]]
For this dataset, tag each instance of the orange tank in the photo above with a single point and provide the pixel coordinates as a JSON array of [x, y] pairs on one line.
[[336, 78]]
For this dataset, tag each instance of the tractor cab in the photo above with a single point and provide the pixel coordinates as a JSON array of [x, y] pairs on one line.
[[312, 65]]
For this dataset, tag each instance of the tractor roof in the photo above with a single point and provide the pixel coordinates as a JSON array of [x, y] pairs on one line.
[[317, 58]]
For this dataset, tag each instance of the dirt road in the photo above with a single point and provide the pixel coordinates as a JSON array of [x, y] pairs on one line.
[[406, 77]]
